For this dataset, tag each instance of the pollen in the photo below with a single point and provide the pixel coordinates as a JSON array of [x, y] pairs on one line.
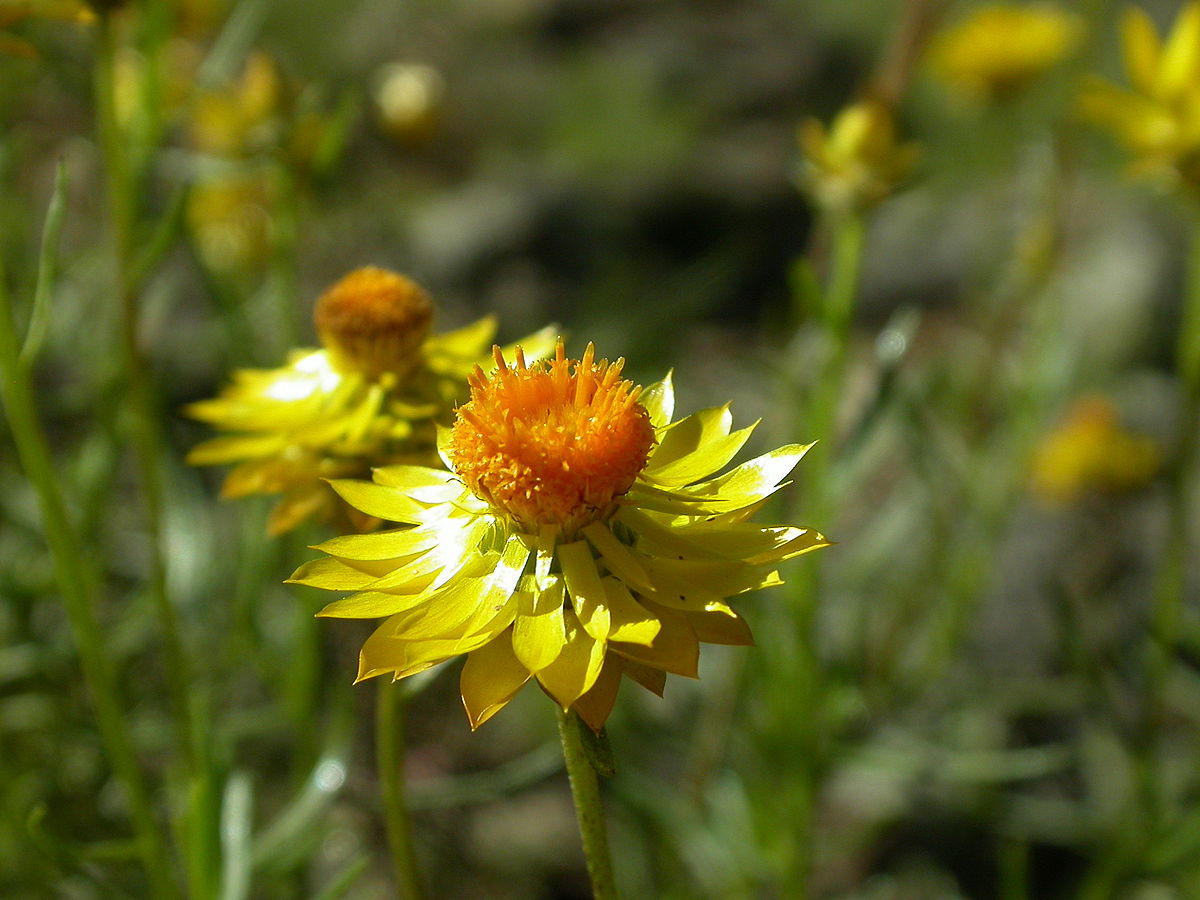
[[374, 321], [557, 442]]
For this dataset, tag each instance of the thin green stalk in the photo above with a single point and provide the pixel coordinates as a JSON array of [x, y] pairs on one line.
[[147, 443], [800, 718], [1171, 587], [78, 585], [585, 789], [389, 760]]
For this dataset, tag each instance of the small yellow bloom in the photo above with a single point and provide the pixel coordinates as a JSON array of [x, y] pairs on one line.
[[1000, 48], [229, 217], [242, 117], [373, 395], [579, 536], [1158, 119], [408, 101], [856, 162], [1089, 452]]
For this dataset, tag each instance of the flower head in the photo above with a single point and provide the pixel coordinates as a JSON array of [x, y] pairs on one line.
[[856, 162], [579, 535], [1158, 119], [242, 117], [1000, 48], [373, 395], [1091, 452]]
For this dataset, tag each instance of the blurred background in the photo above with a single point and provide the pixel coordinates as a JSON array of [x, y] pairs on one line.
[[977, 300]]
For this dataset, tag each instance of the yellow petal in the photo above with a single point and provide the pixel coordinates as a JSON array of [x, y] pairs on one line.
[[1181, 55], [620, 560], [446, 353], [653, 680], [373, 604], [381, 652], [595, 706], [588, 595], [721, 628], [630, 620], [538, 632], [382, 501], [468, 603], [1141, 48], [332, 575], [702, 540], [752, 480], [659, 400], [675, 648], [380, 545], [491, 677], [231, 449], [577, 667], [295, 507]]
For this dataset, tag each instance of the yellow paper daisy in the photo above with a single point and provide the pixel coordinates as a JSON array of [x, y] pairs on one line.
[[580, 535], [1090, 452], [1000, 48], [857, 161], [373, 395], [1158, 119]]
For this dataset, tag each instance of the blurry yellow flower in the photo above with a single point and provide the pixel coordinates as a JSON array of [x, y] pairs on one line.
[[998, 49], [14, 11], [856, 162], [579, 536], [408, 101], [372, 396], [1089, 452], [240, 118], [230, 220], [1158, 120]]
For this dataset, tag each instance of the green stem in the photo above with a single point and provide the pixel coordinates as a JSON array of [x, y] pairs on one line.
[[585, 789], [389, 760], [1171, 587], [78, 582], [121, 187]]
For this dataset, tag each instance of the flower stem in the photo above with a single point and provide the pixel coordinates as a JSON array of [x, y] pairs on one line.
[[585, 789], [77, 582], [389, 760]]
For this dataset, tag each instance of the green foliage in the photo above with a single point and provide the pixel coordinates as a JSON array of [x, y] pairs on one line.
[[979, 692]]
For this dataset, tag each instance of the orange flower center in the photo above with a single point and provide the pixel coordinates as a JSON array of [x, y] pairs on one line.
[[374, 321], [553, 443]]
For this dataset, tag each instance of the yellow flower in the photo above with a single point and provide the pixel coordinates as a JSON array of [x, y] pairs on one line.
[[230, 220], [1158, 120], [1090, 452], [580, 535], [373, 395], [14, 11], [998, 49], [856, 162], [242, 117], [408, 101]]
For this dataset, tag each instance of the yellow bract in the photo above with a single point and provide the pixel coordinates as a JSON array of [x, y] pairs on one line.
[[1090, 452], [857, 161], [998, 49], [321, 416], [633, 592], [1158, 119]]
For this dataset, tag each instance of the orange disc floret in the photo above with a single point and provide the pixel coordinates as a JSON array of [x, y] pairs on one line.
[[552, 443], [374, 321]]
